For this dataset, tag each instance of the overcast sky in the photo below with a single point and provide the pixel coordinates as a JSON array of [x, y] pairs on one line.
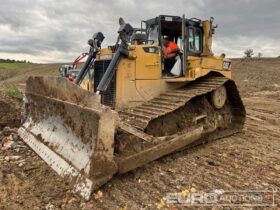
[[57, 31]]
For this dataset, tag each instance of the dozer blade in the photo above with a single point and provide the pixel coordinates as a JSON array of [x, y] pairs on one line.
[[71, 131]]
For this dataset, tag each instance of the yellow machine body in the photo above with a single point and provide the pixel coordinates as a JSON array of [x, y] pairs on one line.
[[139, 77]]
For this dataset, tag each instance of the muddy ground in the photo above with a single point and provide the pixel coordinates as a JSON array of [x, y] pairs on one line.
[[245, 161], [10, 111]]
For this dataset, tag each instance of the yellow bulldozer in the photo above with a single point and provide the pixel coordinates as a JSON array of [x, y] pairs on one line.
[[134, 113]]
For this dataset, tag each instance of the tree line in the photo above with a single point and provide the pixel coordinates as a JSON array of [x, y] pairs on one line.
[[249, 53], [13, 61]]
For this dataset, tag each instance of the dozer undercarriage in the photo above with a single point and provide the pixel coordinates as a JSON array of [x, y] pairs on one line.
[[187, 112]]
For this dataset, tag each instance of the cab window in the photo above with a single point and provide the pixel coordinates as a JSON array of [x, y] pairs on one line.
[[153, 34], [195, 40]]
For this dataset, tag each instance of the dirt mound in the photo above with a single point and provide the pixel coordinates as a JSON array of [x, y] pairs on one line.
[[256, 74], [10, 111], [26, 182]]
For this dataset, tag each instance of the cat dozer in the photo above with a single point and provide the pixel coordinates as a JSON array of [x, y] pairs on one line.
[[133, 114]]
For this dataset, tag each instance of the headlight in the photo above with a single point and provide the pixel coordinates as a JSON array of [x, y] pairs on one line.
[[106, 57], [226, 65]]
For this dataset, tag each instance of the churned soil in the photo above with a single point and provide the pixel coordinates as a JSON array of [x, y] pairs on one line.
[[245, 161]]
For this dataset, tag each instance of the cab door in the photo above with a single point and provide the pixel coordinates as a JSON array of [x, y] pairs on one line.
[[148, 62], [148, 72]]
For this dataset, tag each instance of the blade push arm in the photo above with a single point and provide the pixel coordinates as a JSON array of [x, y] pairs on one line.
[[95, 44], [125, 31]]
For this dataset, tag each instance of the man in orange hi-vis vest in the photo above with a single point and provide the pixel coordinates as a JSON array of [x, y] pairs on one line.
[[170, 51]]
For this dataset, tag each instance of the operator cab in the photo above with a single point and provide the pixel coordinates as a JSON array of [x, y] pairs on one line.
[[186, 33]]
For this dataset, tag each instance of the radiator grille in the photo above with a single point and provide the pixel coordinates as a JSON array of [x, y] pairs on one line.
[[108, 97]]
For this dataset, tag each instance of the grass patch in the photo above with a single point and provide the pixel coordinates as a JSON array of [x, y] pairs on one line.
[[14, 92], [14, 66]]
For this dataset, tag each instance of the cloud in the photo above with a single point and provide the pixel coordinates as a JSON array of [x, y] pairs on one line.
[[57, 31]]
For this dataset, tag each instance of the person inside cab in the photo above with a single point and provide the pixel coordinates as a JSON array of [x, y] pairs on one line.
[[170, 51]]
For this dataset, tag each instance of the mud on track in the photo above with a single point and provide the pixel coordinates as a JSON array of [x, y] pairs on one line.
[[245, 161]]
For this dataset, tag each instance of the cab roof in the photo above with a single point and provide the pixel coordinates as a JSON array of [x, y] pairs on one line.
[[170, 18]]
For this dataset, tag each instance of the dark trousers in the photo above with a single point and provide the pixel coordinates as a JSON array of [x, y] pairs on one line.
[[168, 65]]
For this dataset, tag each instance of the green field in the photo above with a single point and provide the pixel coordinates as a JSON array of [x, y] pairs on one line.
[[8, 70], [14, 73], [14, 66]]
